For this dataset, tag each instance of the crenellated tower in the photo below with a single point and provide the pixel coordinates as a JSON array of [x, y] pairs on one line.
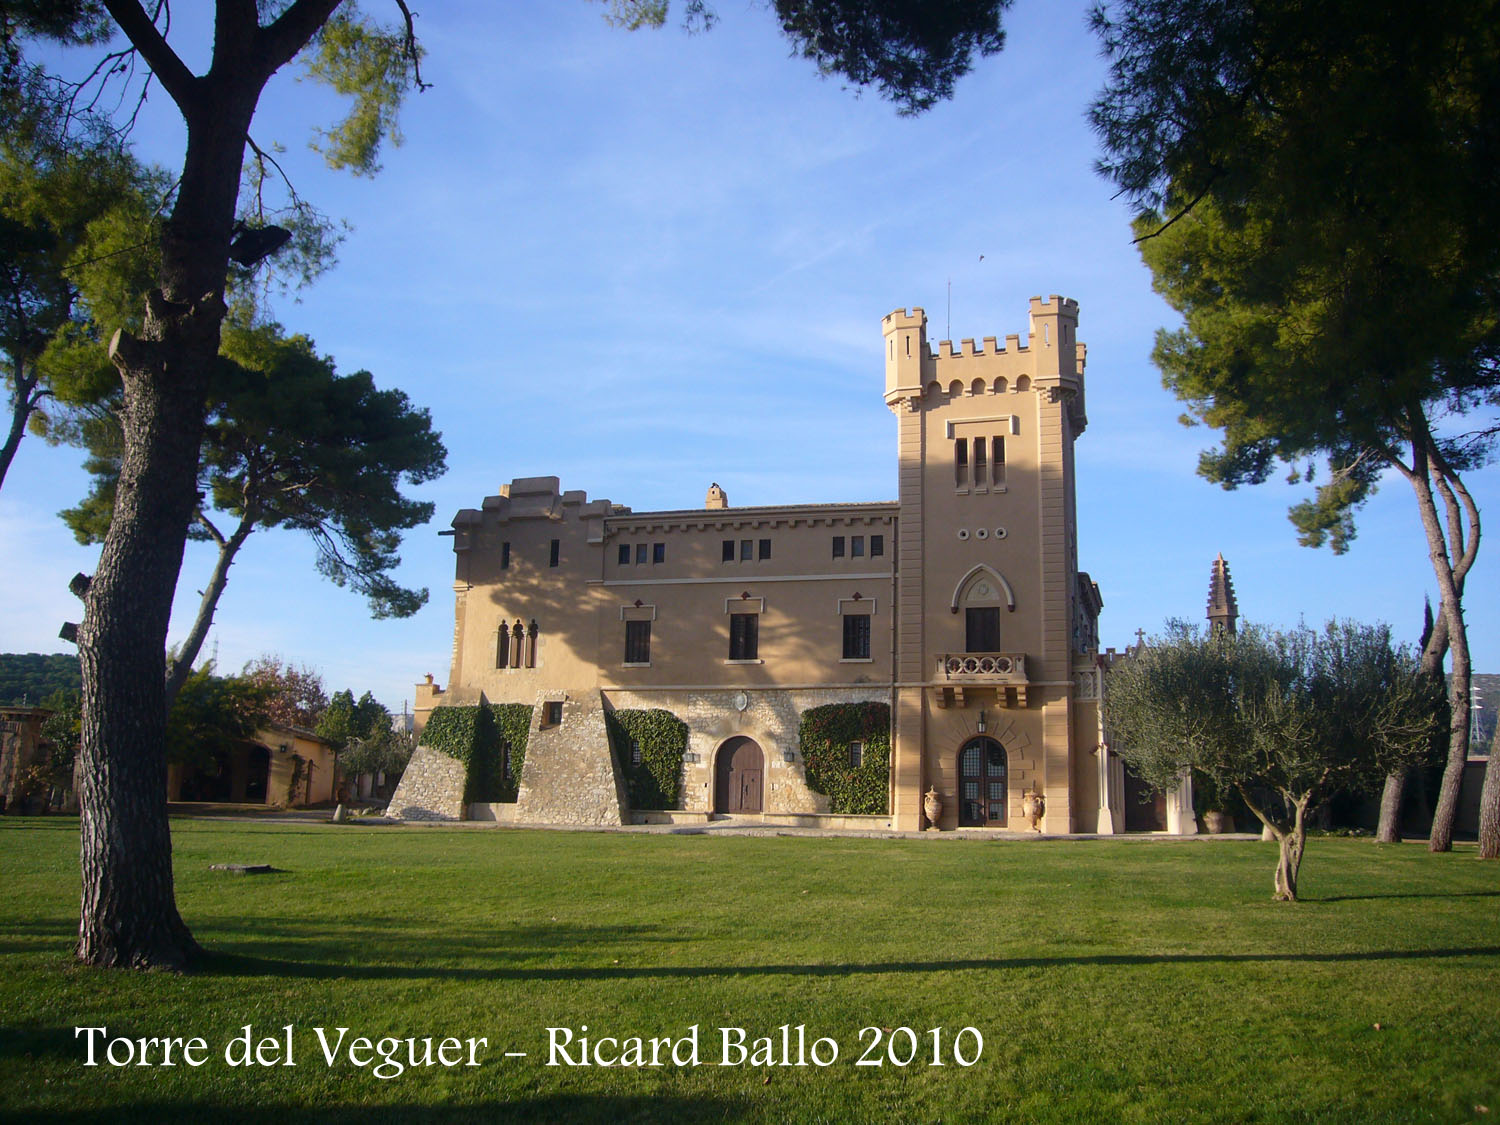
[[993, 614]]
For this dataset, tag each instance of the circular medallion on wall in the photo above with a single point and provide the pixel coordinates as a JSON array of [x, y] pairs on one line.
[[983, 533], [963, 533], [999, 533], [741, 700]]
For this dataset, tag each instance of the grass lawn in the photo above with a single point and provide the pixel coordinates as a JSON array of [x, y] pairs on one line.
[[1124, 980]]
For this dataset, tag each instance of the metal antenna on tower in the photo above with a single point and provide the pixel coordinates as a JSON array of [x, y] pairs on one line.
[[949, 333]]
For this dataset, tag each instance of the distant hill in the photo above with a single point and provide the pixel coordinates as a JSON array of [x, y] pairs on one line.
[[1487, 687], [29, 677]]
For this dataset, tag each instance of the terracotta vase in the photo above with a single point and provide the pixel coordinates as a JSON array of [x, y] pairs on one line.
[[1033, 805], [932, 805], [1217, 823]]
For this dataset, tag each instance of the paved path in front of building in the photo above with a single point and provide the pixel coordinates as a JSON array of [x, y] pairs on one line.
[[724, 827]]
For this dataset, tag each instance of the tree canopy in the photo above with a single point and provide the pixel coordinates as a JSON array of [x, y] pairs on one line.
[[1285, 719], [1315, 186]]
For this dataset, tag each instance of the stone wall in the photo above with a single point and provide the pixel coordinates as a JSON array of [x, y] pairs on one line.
[[769, 716], [432, 788], [570, 775]]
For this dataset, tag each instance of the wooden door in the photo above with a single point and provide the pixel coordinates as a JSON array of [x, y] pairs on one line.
[[740, 771]]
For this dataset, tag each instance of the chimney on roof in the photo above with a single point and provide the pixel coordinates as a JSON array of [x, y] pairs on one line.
[[716, 497], [1223, 610]]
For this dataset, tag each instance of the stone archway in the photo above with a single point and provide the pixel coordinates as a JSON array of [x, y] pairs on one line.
[[739, 777]]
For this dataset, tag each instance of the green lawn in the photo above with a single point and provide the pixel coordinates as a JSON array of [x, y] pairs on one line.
[[1128, 980]]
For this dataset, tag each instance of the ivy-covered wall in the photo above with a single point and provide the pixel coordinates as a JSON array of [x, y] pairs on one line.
[[479, 737], [663, 739], [514, 723], [824, 736]]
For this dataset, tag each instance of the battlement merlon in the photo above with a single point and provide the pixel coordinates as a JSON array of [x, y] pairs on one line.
[[1049, 356], [906, 354]]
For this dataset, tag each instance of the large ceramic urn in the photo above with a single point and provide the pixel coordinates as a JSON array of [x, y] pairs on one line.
[[932, 805]]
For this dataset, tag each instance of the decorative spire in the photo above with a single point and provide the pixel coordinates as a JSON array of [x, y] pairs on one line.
[[1223, 610]]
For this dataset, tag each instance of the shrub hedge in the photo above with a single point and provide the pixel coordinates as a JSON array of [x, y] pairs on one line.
[[480, 737], [662, 737], [824, 735]]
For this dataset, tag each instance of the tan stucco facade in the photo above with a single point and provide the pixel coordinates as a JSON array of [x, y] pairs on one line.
[[980, 631]]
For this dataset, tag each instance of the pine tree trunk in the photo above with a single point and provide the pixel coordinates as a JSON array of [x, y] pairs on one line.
[[1489, 810], [1388, 831], [129, 912]]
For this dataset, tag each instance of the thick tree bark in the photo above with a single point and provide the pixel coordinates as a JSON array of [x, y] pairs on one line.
[[129, 914], [1489, 810]]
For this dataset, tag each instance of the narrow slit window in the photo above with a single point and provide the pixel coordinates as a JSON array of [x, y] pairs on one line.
[[998, 467], [744, 636], [857, 636], [502, 647], [980, 475], [554, 552], [505, 555], [961, 461], [637, 642], [856, 754]]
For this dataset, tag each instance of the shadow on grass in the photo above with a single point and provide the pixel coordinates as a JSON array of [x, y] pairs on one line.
[[1406, 894], [232, 964], [581, 1108]]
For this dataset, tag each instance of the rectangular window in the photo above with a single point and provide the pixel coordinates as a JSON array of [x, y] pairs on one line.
[[765, 548], [729, 550], [982, 629], [744, 636], [552, 713], [877, 546], [981, 472], [554, 550], [658, 552], [505, 555], [747, 550], [637, 642], [640, 554], [838, 546], [635, 752], [856, 754], [998, 446], [624, 554], [961, 461], [856, 636], [502, 648], [857, 546]]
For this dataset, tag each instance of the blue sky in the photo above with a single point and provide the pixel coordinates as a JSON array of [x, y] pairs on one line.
[[645, 262]]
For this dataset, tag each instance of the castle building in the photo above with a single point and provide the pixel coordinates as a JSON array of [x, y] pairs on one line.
[[959, 606]]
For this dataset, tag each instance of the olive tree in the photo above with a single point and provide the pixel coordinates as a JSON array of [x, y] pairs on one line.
[[1285, 719]]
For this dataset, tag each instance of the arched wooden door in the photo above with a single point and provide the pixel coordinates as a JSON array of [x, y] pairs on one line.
[[738, 777], [981, 784]]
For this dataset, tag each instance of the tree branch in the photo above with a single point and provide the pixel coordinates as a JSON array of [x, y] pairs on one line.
[[280, 41], [170, 71]]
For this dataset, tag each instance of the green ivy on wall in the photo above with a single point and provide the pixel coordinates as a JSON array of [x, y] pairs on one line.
[[479, 737], [662, 737], [824, 736]]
